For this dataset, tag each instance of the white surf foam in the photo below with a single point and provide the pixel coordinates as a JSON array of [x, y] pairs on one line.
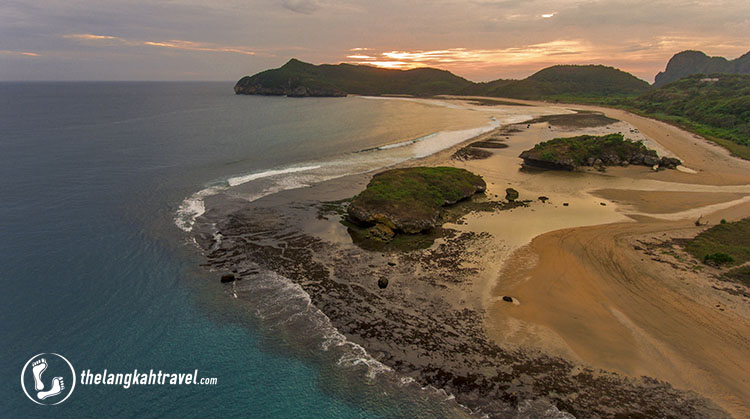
[[194, 206], [406, 143], [286, 304], [239, 180]]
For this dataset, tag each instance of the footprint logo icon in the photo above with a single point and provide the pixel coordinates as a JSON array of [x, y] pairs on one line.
[[38, 368], [57, 387], [48, 391]]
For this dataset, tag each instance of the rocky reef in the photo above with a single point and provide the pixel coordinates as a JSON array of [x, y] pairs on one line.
[[594, 151], [410, 200]]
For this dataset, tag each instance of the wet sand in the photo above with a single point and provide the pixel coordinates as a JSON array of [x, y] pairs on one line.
[[585, 290], [664, 202]]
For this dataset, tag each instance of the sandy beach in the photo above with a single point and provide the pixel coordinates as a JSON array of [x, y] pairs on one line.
[[599, 310], [588, 292]]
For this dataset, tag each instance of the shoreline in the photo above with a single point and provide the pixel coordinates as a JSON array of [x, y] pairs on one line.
[[474, 285]]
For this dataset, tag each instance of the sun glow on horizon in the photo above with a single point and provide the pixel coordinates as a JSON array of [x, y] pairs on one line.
[[461, 58]]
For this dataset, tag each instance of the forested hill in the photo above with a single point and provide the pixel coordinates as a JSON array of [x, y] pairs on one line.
[[296, 78]]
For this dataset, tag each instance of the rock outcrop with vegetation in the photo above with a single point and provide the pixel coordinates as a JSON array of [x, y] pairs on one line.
[[597, 151], [410, 200]]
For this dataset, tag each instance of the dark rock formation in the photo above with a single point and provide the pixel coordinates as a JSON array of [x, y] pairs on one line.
[[687, 63], [669, 162], [383, 283], [471, 153], [650, 160], [227, 278], [489, 144], [511, 194], [507, 299]]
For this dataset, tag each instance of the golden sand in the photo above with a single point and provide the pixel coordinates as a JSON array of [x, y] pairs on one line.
[[583, 291]]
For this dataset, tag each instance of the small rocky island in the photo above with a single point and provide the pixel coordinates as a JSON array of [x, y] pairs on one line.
[[593, 151], [410, 200]]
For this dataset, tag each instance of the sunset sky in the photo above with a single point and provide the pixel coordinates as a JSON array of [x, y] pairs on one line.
[[477, 39]]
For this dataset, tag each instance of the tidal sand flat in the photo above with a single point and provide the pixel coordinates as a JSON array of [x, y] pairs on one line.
[[483, 313]]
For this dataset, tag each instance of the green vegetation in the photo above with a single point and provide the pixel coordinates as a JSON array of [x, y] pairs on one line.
[[716, 110], [723, 244], [717, 105], [741, 274], [410, 200], [717, 259], [569, 153]]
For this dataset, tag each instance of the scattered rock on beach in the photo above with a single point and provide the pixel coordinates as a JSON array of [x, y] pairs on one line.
[[511, 194], [507, 299], [471, 153], [565, 204], [669, 162], [543, 198], [228, 278], [382, 283]]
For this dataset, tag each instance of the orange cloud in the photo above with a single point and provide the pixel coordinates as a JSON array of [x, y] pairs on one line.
[[24, 53], [559, 50], [172, 43]]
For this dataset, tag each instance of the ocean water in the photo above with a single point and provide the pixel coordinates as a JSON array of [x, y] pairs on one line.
[[99, 184]]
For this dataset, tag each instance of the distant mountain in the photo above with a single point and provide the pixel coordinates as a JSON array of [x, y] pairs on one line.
[[563, 81], [687, 63], [715, 105], [297, 78]]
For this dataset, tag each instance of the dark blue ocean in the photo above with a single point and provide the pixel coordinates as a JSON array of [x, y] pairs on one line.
[[94, 267]]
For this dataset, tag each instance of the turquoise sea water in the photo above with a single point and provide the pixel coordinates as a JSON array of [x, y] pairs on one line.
[[93, 267]]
